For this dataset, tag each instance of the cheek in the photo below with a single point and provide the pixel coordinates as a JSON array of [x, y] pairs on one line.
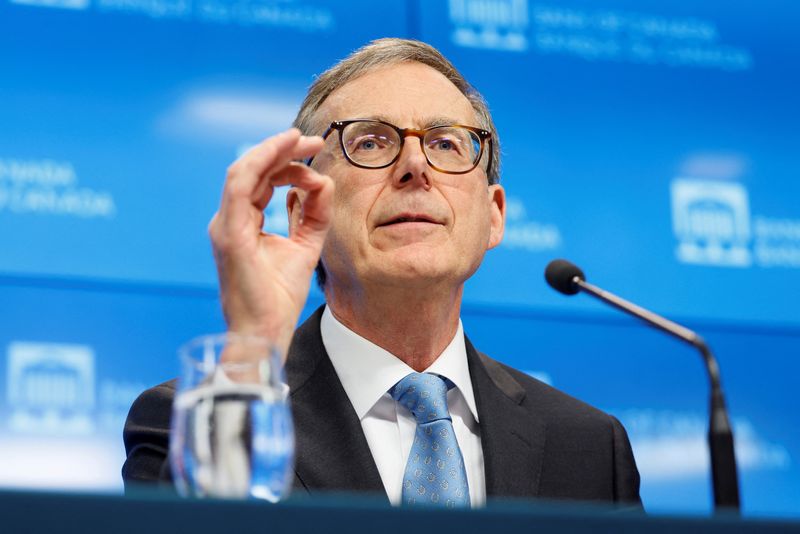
[[351, 208], [475, 221], [474, 231], [348, 201]]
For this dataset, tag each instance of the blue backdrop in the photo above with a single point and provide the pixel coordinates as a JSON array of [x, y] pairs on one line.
[[654, 143]]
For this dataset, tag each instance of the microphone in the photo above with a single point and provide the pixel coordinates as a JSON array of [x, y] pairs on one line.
[[567, 278]]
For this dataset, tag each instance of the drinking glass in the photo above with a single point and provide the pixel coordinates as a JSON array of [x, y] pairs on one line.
[[231, 433]]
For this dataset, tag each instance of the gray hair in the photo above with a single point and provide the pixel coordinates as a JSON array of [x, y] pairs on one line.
[[386, 52], [383, 53]]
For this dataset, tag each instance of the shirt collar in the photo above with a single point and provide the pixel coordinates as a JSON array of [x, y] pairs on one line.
[[367, 371]]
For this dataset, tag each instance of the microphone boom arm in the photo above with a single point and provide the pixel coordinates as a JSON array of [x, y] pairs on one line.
[[720, 434]]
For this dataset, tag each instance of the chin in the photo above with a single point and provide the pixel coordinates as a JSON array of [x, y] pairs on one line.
[[417, 273]]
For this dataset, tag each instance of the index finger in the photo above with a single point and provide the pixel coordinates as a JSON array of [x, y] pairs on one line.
[[263, 161], [306, 147]]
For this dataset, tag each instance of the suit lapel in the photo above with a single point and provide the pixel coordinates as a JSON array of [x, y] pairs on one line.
[[331, 450], [512, 437]]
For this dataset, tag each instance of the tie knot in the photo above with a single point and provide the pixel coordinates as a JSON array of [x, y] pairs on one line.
[[425, 396]]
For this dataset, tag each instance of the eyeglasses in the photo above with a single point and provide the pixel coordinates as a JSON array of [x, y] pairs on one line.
[[374, 144]]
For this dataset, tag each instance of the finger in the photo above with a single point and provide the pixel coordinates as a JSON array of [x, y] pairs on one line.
[[296, 174], [246, 173], [305, 148], [243, 175], [317, 206]]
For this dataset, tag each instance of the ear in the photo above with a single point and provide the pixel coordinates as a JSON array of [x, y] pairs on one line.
[[294, 207], [497, 212]]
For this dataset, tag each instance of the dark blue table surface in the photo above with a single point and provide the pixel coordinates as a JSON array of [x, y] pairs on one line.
[[150, 513]]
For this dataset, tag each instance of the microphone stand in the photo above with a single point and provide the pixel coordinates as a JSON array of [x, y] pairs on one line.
[[720, 435]]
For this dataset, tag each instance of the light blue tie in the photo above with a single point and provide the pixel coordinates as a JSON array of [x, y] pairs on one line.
[[435, 473]]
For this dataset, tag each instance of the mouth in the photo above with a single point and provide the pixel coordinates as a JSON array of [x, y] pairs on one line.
[[409, 218]]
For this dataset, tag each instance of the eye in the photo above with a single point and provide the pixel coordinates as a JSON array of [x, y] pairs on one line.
[[443, 144], [368, 143]]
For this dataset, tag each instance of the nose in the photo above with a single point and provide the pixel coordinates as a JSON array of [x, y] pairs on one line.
[[411, 167]]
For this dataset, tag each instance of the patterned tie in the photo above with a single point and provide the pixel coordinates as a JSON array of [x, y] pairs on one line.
[[435, 473]]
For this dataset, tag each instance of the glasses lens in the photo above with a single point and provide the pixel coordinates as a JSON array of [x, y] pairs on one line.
[[370, 144], [452, 148]]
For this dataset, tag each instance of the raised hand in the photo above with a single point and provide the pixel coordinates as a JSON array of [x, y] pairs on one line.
[[264, 278]]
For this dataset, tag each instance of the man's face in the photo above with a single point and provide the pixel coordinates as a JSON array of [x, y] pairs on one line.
[[407, 224]]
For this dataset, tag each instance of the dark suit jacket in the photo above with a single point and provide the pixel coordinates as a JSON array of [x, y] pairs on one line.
[[537, 441]]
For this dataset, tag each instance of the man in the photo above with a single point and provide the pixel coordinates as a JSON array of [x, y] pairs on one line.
[[396, 209]]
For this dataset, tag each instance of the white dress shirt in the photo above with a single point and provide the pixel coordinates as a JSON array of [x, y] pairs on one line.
[[367, 372]]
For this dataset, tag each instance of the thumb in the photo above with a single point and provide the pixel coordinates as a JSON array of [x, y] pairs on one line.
[[310, 207]]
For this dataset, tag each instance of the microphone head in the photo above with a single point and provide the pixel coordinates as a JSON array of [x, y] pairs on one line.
[[560, 274]]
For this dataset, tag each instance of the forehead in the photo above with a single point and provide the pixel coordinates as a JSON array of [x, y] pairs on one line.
[[409, 95]]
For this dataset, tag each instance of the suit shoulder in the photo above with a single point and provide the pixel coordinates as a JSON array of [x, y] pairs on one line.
[[146, 435], [549, 399], [150, 412], [154, 398]]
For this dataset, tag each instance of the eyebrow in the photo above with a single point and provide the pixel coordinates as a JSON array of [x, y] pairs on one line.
[[429, 122]]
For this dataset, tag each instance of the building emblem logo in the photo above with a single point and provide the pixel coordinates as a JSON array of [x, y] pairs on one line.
[[491, 24], [525, 234], [50, 387], [711, 221]]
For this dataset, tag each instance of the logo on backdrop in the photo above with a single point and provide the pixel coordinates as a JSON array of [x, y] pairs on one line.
[[598, 34], [59, 4], [492, 24], [713, 225], [47, 187], [523, 233], [50, 387], [290, 14], [671, 445]]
